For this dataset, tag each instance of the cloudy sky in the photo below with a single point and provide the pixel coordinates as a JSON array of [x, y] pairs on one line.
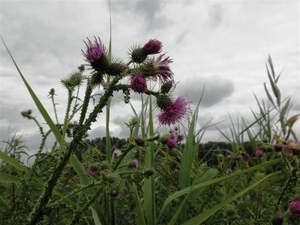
[[222, 44]]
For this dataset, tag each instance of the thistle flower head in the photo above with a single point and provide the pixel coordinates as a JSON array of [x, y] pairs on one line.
[[294, 208], [174, 112], [230, 171], [246, 155], [94, 50], [114, 192], [158, 68], [138, 83], [153, 46], [139, 141], [135, 163], [90, 172], [171, 143], [259, 153]]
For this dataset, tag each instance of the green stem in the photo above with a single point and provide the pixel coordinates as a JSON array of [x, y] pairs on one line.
[[65, 125], [103, 102], [54, 108], [86, 101], [43, 200]]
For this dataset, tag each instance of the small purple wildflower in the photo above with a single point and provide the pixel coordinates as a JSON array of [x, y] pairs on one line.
[[138, 83], [90, 172], [278, 147], [105, 170], [295, 208], [238, 158], [135, 163], [176, 137], [171, 143], [174, 112], [280, 217], [114, 192], [230, 171], [246, 155], [180, 137], [139, 141], [259, 153], [153, 46], [94, 50]]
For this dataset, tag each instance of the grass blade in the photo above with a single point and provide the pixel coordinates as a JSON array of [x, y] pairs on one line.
[[197, 220], [37, 102]]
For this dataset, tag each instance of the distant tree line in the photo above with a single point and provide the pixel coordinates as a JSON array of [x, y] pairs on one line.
[[205, 151]]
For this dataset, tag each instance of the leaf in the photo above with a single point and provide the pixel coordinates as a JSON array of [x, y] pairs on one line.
[[37, 102], [6, 178], [11, 161], [98, 217], [290, 122], [208, 175], [197, 220], [3, 203], [140, 214], [184, 191]]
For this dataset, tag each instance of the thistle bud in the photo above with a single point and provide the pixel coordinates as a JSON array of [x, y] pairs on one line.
[[148, 173], [114, 192], [163, 101], [139, 141], [163, 139], [115, 69], [137, 56], [97, 78], [166, 87], [278, 147], [266, 140], [27, 114]]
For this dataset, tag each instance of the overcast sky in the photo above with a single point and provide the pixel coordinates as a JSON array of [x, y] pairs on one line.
[[222, 44]]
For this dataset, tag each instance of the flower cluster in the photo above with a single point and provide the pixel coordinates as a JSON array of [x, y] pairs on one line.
[[145, 69]]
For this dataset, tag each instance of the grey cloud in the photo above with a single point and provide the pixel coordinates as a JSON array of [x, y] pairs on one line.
[[216, 89], [215, 16], [151, 12]]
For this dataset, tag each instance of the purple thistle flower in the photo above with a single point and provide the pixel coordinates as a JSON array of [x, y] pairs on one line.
[[94, 50], [238, 158], [90, 172], [295, 208], [153, 46], [138, 83], [177, 138], [174, 112], [171, 143], [114, 192], [158, 68], [259, 153], [278, 147], [135, 163], [230, 171], [246, 155]]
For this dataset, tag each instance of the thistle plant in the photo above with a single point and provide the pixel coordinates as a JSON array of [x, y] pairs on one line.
[[155, 178]]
